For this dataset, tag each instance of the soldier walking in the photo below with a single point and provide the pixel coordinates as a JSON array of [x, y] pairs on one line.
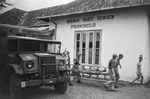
[[109, 85], [116, 69]]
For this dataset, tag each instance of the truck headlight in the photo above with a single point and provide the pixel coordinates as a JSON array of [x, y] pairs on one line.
[[61, 63], [29, 64]]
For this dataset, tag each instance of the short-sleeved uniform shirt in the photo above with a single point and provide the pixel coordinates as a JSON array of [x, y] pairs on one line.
[[111, 64]]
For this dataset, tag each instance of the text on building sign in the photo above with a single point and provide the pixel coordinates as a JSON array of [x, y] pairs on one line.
[[85, 19], [88, 25]]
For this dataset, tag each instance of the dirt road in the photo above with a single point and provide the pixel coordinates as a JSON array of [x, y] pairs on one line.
[[90, 90]]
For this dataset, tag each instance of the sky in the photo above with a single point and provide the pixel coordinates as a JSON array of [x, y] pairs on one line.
[[29, 5]]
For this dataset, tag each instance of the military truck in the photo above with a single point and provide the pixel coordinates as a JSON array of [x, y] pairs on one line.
[[27, 61]]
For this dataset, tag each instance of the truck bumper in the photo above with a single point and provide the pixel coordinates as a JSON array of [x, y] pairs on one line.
[[44, 82]]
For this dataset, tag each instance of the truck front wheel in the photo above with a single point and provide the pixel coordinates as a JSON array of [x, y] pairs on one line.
[[61, 87], [15, 87]]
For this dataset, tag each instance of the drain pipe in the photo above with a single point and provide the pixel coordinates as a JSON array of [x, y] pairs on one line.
[[55, 32]]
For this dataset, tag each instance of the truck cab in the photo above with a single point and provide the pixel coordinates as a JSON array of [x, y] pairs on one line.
[[31, 62]]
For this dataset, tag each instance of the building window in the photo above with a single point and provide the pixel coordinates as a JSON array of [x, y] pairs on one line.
[[90, 48], [97, 48], [88, 43], [83, 47]]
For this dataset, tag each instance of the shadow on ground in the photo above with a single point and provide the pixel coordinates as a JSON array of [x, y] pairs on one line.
[[39, 93]]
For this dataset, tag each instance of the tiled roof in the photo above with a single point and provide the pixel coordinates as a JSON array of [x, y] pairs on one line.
[[79, 6], [12, 16]]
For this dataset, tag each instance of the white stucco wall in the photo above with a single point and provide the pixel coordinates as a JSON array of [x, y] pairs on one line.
[[130, 36], [127, 33]]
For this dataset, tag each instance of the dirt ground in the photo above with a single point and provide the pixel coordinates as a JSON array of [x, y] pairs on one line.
[[89, 90]]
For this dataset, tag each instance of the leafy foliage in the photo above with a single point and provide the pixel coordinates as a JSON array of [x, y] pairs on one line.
[[3, 4]]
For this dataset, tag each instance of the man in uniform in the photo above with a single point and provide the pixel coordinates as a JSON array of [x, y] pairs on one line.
[[116, 69], [109, 85], [67, 55], [68, 63]]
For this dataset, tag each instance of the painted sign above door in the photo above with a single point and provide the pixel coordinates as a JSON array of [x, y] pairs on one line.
[[87, 19]]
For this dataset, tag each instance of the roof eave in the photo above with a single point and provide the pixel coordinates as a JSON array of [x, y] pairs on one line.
[[32, 38], [7, 26]]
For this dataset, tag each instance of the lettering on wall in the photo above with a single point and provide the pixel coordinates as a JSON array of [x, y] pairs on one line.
[[88, 25], [73, 20], [105, 17], [88, 19]]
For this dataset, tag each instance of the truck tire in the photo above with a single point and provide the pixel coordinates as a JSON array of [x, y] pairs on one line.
[[61, 87], [15, 87]]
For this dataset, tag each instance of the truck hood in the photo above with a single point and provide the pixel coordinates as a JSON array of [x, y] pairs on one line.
[[59, 57], [27, 57], [43, 54]]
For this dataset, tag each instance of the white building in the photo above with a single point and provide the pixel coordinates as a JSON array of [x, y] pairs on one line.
[[99, 33]]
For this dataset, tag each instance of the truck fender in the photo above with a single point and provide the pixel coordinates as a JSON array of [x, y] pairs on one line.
[[17, 69]]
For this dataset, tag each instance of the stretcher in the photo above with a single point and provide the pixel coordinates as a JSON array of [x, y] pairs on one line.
[[94, 73]]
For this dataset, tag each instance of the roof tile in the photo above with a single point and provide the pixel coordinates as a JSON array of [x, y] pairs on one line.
[[79, 6]]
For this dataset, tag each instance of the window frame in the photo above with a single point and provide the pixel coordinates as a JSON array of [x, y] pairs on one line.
[[87, 32]]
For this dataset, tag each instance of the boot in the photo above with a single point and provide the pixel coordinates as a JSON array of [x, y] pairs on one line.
[[70, 84], [78, 81]]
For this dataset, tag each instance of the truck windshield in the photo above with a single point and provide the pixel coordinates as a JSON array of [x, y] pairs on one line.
[[33, 46], [51, 48], [12, 45], [29, 46]]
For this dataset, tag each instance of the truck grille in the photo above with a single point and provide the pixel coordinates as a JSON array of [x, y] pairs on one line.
[[48, 65], [48, 60]]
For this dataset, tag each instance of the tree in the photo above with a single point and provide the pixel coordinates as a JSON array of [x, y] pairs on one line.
[[3, 4]]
